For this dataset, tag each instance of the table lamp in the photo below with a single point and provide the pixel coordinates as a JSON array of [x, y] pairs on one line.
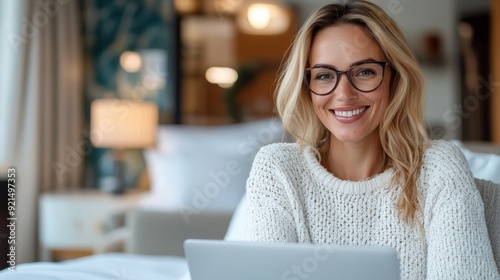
[[122, 124]]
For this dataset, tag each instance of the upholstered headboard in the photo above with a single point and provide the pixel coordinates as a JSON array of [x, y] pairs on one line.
[[205, 168]]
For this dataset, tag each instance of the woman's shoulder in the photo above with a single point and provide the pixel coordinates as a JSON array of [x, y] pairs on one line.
[[444, 161], [280, 149], [278, 154], [443, 153]]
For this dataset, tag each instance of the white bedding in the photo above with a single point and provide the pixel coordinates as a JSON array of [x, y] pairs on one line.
[[112, 266]]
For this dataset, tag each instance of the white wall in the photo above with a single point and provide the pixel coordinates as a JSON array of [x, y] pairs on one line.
[[417, 18]]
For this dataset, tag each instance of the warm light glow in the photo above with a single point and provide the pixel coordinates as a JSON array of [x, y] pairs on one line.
[[259, 15], [131, 61], [264, 17], [122, 123], [226, 6], [186, 6], [223, 76]]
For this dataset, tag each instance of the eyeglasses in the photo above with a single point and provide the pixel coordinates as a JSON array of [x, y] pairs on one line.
[[365, 77]]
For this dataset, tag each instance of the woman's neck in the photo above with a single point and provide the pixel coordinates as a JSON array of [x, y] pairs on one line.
[[353, 161]]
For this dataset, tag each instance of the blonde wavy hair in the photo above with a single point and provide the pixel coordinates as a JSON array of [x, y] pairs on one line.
[[402, 131]]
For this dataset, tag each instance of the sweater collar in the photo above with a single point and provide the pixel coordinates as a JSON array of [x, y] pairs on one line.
[[377, 182]]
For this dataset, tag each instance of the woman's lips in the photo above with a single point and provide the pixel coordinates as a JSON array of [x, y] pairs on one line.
[[349, 115]]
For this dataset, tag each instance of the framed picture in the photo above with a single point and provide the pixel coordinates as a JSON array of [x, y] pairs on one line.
[[131, 52], [115, 28]]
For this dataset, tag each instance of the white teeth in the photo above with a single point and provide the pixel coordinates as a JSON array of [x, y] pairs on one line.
[[348, 114]]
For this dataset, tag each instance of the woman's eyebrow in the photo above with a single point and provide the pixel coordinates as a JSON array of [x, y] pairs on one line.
[[362, 61], [351, 65]]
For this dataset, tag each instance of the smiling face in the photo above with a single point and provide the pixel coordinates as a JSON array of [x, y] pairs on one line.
[[349, 114]]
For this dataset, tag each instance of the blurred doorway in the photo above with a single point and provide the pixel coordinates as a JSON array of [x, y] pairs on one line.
[[475, 74]]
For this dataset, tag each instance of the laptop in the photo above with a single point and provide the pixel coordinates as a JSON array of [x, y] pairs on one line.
[[243, 260]]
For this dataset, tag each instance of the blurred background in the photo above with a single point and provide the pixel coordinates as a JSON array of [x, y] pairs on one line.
[[66, 64]]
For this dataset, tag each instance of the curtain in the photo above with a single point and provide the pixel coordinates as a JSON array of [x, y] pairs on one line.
[[41, 105]]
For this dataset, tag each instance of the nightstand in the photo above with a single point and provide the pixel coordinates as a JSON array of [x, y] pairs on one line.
[[75, 224]]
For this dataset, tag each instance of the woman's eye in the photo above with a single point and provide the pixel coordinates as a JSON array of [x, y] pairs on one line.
[[323, 76], [366, 72]]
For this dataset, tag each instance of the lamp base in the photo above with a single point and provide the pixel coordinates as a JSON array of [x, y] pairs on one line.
[[119, 172], [119, 187]]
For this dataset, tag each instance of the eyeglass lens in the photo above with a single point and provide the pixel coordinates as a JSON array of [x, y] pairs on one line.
[[365, 77]]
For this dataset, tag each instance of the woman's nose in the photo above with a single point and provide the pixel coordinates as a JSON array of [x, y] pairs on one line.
[[345, 90]]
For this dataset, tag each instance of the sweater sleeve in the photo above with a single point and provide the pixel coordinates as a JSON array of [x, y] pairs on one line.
[[457, 238], [269, 214], [490, 193]]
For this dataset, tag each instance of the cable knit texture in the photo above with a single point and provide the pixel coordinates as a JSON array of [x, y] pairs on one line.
[[292, 198], [490, 193]]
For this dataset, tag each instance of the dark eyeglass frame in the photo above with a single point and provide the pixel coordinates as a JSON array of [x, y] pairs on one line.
[[307, 76]]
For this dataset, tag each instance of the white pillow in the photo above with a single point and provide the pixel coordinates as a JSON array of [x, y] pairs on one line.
[[483, 166], [205, 168], [236, 230]]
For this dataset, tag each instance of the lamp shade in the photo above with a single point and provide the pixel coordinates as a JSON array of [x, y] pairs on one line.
[[119, 123]]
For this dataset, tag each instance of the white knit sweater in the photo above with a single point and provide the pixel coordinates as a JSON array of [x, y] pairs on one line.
[[292, 198]]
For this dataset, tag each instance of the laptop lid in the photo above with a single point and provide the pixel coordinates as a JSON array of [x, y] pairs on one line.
[[241, 260]]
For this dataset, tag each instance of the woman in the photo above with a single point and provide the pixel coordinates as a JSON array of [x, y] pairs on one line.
[[362, 170]]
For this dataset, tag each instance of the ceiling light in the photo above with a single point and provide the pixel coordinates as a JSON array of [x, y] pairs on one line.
[[259, 15], [264, 18]]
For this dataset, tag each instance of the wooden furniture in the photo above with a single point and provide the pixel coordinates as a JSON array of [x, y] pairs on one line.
[[495, 69]]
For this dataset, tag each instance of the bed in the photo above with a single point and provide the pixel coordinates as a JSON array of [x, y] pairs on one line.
[[110, 266], [152, 239], [184, 162]]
